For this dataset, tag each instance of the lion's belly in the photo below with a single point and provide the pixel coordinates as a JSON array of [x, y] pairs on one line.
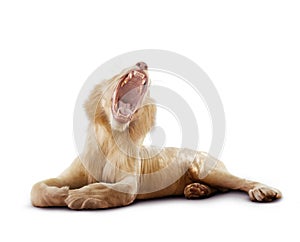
[[164, 172], [176, 188]]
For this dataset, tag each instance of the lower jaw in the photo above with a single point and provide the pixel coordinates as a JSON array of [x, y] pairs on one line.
[[118, 126], [121, 119]]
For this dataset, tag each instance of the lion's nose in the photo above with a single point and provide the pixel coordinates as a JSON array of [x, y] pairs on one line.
[[142, 65]]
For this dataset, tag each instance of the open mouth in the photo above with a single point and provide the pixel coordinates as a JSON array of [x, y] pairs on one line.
[[129, 93]]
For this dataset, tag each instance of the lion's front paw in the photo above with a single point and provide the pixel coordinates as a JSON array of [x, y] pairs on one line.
[[197, 190], [78, 200], [264, 194], [48, 196]]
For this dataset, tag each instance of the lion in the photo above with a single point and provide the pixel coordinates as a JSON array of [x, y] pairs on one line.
[[115, 169]]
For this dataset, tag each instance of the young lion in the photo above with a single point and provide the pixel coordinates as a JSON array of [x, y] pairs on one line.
[[115, 168]]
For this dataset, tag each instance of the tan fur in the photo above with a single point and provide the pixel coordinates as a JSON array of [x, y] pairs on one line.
[[115, 169]]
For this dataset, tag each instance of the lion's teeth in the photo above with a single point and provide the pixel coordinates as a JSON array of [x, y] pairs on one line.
[[138, 74]]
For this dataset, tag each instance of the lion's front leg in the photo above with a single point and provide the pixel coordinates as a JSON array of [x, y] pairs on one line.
[[101, 195], [49, 193], [53, 192]]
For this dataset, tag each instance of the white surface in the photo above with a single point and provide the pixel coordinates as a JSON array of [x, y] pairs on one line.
[[249, 49]]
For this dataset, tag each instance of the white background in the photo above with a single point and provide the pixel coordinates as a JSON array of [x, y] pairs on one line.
[[251, 51]]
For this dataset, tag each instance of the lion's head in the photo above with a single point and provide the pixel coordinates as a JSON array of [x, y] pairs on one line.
[[123, 103]]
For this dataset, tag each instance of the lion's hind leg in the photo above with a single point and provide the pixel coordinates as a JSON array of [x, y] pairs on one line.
[[211, 171]]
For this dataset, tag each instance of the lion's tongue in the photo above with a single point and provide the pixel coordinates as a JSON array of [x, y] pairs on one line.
[[128, 101], [124, 108]]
